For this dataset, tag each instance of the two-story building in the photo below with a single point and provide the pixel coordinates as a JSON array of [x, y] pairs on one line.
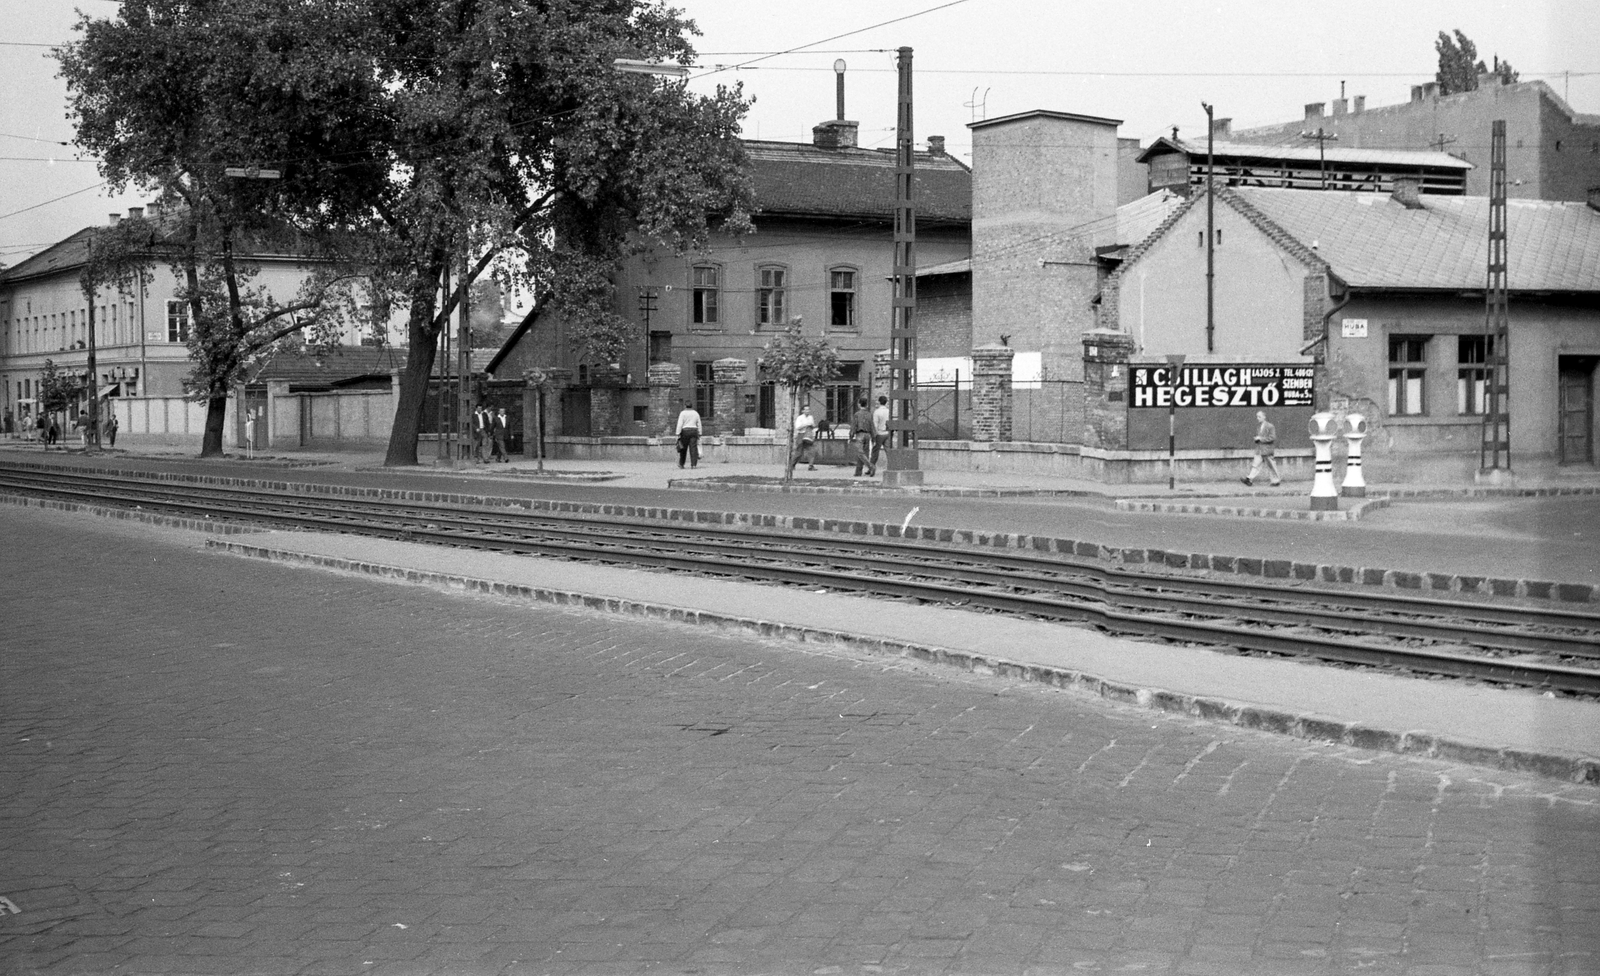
[[822, 253]]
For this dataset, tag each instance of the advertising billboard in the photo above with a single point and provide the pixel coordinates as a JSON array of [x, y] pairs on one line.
[[1249, 385]]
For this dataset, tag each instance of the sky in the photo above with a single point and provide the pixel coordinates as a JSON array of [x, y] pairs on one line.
[[1148, 63]]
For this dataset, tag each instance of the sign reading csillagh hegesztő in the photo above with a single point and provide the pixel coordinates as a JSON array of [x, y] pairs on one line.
[[1199, 385]]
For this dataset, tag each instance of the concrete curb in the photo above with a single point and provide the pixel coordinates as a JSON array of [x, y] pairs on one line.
[[1572, 769], [1355, 511], [1136, 557]]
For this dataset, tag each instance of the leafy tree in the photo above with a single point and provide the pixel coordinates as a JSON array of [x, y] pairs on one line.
[[113, 256], [59, 390], [1458, 64], [800, 365], [164, 96]]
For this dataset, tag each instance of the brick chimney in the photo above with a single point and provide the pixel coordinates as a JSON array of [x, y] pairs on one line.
[[1408, 192], [1340, 106], [1314, 110], [135, 213], [835, 134], [1222, 128], [1360, 105], [936, 145], [115, 220]]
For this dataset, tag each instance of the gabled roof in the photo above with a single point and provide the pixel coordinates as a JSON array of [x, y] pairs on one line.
[[64, 255], [1305, 154], [1372, 241], [799, 179], [334, 367]]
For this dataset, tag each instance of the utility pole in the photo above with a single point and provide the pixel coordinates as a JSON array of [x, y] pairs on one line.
[[464, 367], [1494, 461], [902, 466], [1323, 138], [1211, 230]]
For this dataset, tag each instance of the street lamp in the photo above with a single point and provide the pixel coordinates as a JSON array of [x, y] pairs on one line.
[[632, 67]]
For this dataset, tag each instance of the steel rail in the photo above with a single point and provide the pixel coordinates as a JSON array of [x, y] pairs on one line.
[[868, 576]]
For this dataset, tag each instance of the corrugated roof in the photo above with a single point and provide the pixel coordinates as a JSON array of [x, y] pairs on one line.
[[795, 178], [1307, 154], [1371, 241]]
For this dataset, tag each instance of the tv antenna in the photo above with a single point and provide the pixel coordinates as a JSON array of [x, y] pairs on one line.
[[978, 105]]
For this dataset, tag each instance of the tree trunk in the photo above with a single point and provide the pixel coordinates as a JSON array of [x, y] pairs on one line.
[[216, 424], [413, 394]]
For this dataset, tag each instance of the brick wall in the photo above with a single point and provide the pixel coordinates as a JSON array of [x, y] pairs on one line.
[[991, 393]]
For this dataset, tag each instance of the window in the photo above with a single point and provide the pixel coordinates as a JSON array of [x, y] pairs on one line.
[[705, 400], [1472, 374], [771, 297], [842, 298], [1408, 356], [842, 393], [177, 321], [704, 310], [661, 347]]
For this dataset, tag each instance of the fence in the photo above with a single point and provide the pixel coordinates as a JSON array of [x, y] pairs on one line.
[[1048, 412]]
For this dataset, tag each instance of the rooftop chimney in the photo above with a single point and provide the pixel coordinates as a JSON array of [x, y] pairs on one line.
[[1222, 128], [835, 134], [115, 219], [1407, 192], [1314, 110], [1360, 105], [1340, 106], [135, 213], [936, 145]]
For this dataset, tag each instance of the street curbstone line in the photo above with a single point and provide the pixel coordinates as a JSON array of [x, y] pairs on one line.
[[1567, 768]]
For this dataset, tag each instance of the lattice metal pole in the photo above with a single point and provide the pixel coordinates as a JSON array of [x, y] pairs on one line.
[[902, 466], [1495, 452]]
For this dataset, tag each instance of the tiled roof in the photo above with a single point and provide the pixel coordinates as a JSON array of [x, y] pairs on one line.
[[64, 255], [799, 179], [1139, 218], [337, 365], [1371, 241], [1307, 154]]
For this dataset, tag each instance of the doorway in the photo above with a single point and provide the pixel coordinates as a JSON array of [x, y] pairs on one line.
[[1575, 409]]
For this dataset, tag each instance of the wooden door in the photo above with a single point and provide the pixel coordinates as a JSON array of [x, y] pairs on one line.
[[1575, 428]]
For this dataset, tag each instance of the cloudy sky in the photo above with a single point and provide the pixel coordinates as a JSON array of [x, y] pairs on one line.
[[1149, 63]]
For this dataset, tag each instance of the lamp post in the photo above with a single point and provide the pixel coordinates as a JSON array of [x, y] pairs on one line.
[[1175, 366], [1211, 235]]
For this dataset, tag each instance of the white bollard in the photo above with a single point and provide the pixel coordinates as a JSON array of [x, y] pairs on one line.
[[1355, 486], [1324, 497]]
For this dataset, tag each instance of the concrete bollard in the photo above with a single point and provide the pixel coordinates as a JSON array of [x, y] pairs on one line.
[[1355, 486], [1324, 497]]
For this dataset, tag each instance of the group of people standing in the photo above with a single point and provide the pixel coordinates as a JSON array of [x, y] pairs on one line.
[[49, 430], [869, 434], [492, 428]]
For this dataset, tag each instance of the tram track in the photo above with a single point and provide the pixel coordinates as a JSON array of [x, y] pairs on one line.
[[1544, 648]]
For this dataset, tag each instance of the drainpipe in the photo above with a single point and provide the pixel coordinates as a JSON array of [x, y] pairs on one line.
[[1321, 398]]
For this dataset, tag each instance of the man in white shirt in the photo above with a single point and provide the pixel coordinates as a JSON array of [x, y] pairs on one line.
[[805, 441], [880, 429], [688, 435]]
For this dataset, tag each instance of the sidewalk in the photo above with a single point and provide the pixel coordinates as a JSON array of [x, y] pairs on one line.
[[1454, 721]]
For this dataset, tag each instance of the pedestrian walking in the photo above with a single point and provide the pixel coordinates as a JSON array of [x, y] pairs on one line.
[[500, 432], [805, 441], [480, 432], [1266, 437], [42, 426], [81, 423], [861, 437], [880, 429], [688, 435], [111, 431], [53, 434]]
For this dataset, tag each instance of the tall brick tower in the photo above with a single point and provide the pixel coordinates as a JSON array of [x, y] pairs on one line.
[[1044, 196]]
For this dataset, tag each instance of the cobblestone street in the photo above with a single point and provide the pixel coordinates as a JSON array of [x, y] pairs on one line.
[[216, 765]]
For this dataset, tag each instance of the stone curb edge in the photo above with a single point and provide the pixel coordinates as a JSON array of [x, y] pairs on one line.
[[131, 515], [1284, 569], [1572, 769], [1354, 512]]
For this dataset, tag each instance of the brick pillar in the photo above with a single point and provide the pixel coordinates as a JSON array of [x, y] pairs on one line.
[[556, 381], [605, 402], [991, 393], [728, 376], [1105, 388], [664, 379]]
